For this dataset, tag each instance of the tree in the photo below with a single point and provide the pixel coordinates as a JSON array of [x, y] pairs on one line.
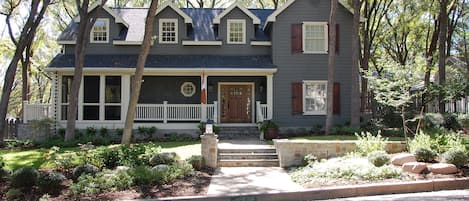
[[36, 14], [330, 69], [137, 81], [87, 21], [442, 52], [355, 99]]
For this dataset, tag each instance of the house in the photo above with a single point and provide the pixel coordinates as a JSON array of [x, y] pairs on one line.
[[236, 66]]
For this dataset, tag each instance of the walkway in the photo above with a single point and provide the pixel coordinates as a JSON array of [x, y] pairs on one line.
[[451, 195]]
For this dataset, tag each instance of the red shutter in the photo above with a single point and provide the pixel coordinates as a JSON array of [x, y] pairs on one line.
[[336, 99], [296, 38], [337, 37], [297, 97]]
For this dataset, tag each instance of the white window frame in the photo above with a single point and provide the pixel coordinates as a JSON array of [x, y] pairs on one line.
[[160, 30], [228, 26], [106, 22], [183, 92], [306, 82], [326, 39]]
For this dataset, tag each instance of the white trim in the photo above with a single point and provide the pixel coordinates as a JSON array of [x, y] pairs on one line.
[[160, 30], [253, 99], [228, 26], [304, 97], [273, 17], [66, 42], [117, 18], [255, 19], [261, 43], [106, 22], [204, 43], [187, 19], [123, 42], [270, 96], [326, 35]]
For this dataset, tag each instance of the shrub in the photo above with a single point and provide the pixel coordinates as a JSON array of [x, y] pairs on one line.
[[424, 155], [84, 169], [143, 175], [14, 194], [197, 162], [88, 185], [110, 157], [185, 168], [309, 159], [456, 157], [4, 173], [60, 161], [368, 143], [421, 140], [2, 162], [91, 131], [451, 122], [378, 158], [130, 156], [25, 177], [103, 131], [50, 182], [164, 158], [451, 141], [433, 120]]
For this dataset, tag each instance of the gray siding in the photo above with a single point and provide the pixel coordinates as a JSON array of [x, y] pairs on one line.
[[298, 67], [156, 89]]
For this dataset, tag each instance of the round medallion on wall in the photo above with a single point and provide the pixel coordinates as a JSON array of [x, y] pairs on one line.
[[188, 89]]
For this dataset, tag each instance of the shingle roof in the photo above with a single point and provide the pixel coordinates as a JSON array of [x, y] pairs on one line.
[[165, 61], [202, 24]]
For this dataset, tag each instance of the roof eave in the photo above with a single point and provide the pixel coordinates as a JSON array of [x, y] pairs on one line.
[[117, 18], [187, 18], [255, 19]]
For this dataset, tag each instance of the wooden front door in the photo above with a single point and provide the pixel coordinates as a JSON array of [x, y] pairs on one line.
[[236, 103]]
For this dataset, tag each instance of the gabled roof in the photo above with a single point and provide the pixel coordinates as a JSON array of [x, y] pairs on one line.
[[186, 17], [273, 16], [254, 18], [117, 18]]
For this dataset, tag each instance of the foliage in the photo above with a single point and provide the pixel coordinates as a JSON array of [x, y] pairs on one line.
[[378, 158], [24, 178], [421, 140], [18, 143], [197, 162], [343, 168], [91, 130], [147, 132], [176, 137], [2, 162], [344, 130], [201, 128], [162, 174], [164, 158], [368, 143], [130, 155], [103, 131], [50, 182], [266, 124], [309, 159], [433, 120], [449, 141], [109, 156], [60, 160], [14, 194], [424, 155], [456, 157], [84, 169], [88, 185]]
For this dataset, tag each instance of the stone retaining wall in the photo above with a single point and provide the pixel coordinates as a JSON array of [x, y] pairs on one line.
[[291, 152]]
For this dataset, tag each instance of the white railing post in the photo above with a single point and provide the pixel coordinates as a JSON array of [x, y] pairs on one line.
[[215, 112], [203, 112], [165, 112], [259, 115], [25, 111], [270, 97]]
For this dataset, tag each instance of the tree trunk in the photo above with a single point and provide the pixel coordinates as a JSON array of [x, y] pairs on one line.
[[26, 37], [442, 52], [355, 99], [404, 124], [330, 71], [137, 81], [25, 64]]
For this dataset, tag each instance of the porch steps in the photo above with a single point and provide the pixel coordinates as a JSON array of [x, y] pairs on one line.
[[229, 133], [264, 157]]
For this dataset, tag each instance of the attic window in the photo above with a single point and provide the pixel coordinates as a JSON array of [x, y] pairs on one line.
[[100, 31], [236, 33], [168, 31]]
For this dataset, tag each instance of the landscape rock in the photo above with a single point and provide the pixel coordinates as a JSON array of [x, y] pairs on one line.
[[414, 167], [442, 168], [400, 159], [122, 168], [161, 167]]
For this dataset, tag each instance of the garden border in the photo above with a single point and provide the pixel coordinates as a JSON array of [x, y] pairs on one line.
[[340, 191]]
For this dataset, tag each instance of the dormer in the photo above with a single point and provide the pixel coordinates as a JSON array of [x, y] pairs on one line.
[[172, 24], [236, 25]]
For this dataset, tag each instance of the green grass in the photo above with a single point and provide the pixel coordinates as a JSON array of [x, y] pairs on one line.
[[338, 138], [15, 159]]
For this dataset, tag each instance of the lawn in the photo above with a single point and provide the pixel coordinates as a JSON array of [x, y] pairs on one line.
[[35, 157], [339, 138]]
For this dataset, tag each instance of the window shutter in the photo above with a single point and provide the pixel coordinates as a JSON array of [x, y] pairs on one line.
[[336, 99], [296, 38], [297, 97], [337, 37]]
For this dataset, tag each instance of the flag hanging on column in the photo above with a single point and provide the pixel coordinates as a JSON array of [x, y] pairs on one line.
[[203, 91]]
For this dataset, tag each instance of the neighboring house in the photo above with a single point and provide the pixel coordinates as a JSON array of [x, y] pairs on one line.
[[252, 64]]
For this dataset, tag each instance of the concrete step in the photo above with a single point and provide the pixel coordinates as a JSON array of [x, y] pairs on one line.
[[247, 151], [246, 156], [249, 163]]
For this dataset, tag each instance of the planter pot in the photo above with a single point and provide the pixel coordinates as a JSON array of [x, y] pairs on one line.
[[271, 133]]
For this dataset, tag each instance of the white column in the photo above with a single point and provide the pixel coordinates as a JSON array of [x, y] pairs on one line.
[[125, 97], [165, 112], [270, 96], [102, 88], [215, 112]]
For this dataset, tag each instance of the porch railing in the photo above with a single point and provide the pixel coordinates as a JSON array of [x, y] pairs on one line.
[[36, 111], [175, 112], [261, 112]]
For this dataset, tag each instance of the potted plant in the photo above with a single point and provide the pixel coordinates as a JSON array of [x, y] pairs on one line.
[[269, 128]]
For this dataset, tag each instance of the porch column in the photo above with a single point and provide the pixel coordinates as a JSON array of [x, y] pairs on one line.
[[203, 97], [270, 96], [125, 97]]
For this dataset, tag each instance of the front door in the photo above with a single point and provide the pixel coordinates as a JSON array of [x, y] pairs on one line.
[[236, 103]]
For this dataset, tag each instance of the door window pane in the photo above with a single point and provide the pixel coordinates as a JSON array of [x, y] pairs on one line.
[[66, 84], [113, 89], [90, 112], [91, 89], [113, 113]]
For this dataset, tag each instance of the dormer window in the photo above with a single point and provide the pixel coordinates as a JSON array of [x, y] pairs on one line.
[[236, 31], [168, 31], [100, 31]]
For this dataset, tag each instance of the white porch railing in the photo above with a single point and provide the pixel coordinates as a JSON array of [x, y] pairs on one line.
[[36, 111], [176, 112], [261, 112], [458, 106]]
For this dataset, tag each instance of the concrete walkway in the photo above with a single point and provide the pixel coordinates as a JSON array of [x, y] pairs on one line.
[[246, 180], [451, 195]]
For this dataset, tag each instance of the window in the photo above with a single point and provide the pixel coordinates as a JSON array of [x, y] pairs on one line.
[[188, 89], [112, 96], [236, 33], [100, 31], [315, 37], [66, 84], [91, 97], [314, 97], [168, 29]]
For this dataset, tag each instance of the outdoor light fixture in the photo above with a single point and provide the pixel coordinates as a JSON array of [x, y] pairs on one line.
[[209, 127]]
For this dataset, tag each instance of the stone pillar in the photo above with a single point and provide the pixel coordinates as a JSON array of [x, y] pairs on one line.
[[210, 149]]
